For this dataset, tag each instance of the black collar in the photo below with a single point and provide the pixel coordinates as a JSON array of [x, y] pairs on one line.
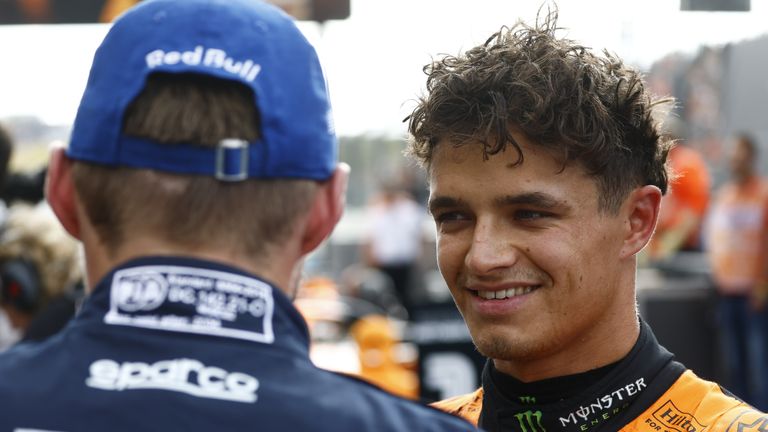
[[546, 391], [615, 396]]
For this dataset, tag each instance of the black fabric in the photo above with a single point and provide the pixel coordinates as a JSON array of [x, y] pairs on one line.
[[610, 398], [548, 390], [54, 316]]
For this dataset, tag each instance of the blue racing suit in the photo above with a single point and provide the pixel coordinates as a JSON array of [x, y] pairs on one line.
[[166, 343]]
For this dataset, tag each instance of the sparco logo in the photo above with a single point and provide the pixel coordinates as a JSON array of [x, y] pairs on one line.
[[182, 375], [670, 416]]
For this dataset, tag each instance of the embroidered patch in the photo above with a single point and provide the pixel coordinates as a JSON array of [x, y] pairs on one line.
[[183, 375], [192, 300]]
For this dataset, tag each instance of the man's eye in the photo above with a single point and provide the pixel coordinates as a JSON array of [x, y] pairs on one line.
[[449, 217], [531, 214]]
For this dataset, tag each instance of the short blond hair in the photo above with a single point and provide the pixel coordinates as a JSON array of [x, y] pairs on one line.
[[248, 217]]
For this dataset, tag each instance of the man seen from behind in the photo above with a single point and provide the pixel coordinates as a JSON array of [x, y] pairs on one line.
[[201, 170]]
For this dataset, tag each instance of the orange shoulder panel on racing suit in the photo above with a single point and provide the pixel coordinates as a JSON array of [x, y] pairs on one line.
[[691, 404], [466, 406]]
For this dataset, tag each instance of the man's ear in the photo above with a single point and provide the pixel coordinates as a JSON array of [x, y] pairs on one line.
[[60, 191], [642, 207], [327, 209]]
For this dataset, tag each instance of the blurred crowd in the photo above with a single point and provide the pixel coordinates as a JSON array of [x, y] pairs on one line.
[[40, 271]]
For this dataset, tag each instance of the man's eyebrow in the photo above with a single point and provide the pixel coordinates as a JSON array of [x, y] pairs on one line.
[[442, 201], [538, 199]]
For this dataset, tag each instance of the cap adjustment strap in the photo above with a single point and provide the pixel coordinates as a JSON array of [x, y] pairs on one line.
[[232, 160]]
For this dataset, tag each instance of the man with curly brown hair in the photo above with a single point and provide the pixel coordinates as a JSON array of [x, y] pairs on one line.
[[546, 170]]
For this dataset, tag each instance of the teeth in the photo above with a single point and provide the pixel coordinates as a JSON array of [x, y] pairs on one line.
[[502, 294]]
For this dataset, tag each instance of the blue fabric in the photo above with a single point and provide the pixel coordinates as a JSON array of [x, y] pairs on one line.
[[744, 342], [247, 41], [181, 344]]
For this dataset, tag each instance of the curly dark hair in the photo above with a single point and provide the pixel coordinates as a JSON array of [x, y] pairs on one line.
[[588, 109]]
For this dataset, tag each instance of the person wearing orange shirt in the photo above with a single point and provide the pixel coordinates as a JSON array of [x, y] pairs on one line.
[[683, 209], [737, 242]]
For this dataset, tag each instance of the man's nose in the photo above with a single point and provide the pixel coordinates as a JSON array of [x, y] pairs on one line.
[[492, 248]]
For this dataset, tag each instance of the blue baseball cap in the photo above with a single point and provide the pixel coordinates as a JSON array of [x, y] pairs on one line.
[[247, 41]]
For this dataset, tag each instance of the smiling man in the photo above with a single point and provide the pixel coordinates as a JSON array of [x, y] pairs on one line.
[[546, 171]]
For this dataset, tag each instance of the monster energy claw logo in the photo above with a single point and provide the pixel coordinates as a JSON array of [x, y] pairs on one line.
[[530, 421]]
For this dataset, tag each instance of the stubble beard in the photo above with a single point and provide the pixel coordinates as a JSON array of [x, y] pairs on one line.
[[501, 348], [505, 347]]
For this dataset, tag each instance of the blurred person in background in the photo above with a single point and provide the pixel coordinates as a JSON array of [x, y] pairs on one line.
[[18, 186], [8, 335], [394, 238], [25, 187], [685, 205], [546, 170], [43, 306], [377, 344], [201, 171], [39, 272], [6, 151], [737, 243]]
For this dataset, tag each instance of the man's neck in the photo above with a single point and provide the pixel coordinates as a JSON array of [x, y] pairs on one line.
[[606, 341], [280, 270], [578, 361]]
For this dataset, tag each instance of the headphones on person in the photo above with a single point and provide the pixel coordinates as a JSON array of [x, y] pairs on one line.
[[20, 284]]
